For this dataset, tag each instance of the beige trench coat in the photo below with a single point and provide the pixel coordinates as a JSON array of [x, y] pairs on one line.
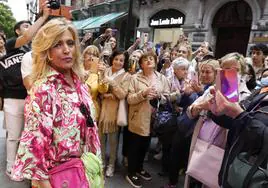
[[140, 110]]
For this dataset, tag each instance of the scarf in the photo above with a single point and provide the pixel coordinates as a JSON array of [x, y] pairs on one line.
[[112, 75], [177, 84]]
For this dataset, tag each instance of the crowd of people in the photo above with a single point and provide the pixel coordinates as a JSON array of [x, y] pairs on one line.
[[63, 98]]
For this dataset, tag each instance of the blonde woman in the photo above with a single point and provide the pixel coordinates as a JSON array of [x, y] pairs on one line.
[[237, 61], [57, 128], [93, 67], [185, 51], [230, 61], [118, 80]]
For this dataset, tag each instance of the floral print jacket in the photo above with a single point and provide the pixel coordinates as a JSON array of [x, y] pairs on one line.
[[55, 129]]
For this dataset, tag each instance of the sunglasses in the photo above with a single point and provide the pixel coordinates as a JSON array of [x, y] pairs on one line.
[[86, 113]]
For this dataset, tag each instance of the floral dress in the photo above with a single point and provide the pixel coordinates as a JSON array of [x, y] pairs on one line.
[[55, 129]]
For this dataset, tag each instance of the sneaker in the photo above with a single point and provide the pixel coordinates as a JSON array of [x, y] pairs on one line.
[[8, 173], [110, 171], [134, 181], [169, 186], [144, 175]]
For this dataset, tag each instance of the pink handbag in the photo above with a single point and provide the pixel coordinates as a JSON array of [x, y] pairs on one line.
[[205, 161], [70, 174]]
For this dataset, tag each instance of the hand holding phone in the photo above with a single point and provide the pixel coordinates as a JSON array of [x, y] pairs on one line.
[[94, 64], [227, 83]]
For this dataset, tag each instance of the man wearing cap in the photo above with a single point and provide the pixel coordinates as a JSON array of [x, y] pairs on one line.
[[258, 53]]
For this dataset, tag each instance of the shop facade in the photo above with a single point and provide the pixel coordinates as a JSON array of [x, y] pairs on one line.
[[228, 25]]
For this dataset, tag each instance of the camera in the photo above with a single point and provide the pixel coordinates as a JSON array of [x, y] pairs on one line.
[[54, 4]]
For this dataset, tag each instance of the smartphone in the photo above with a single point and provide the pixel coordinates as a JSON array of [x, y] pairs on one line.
[[194, 76], [94, 64], [227, 83]]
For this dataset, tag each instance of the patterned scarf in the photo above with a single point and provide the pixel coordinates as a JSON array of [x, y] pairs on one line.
[[177, 84]]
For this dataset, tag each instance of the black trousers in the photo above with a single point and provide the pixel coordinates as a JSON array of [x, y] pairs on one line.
[[166, 141], [125, 132], [138, 146], [179, 154]]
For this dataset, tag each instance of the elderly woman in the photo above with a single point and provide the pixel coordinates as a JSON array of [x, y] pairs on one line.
[[145, 86], [246, 122], [118, 80], [182, 138], [59, 121], [94, 68], [229, 61], [237, 61], [180, 88]]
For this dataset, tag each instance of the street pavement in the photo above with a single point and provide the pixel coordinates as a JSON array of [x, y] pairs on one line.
[[117, 181]]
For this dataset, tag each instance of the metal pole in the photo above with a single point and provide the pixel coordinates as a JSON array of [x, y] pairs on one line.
[[129, 25]]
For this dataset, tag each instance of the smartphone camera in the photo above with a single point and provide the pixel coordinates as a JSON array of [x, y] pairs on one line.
[[54, 4]]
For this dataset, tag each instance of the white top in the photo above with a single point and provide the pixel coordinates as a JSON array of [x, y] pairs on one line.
[[26, 64]]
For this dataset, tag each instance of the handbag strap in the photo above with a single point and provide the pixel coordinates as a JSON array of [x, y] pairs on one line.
[[197, 129]]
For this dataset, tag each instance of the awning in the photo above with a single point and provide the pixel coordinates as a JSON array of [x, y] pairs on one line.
[[104, 19], [82, 23]]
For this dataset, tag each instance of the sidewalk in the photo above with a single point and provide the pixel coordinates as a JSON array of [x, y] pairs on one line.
[[118, 181]]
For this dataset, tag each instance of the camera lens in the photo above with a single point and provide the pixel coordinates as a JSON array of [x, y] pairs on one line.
[[54, 4]]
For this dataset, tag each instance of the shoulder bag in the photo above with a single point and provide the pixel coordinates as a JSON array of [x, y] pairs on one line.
[[206, 158], [69, 174]]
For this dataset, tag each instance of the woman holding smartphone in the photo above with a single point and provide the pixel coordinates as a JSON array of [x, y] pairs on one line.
[[94, 68]]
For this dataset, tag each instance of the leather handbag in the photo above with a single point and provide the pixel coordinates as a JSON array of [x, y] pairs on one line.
[[240, 168], [247, 169], [160, 119], [206, 158], [122, 113], [70, 174]]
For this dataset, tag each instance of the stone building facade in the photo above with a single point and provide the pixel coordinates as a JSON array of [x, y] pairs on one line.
[[228, 25]]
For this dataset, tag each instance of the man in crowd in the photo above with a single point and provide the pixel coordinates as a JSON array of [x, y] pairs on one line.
[[12, 88], [258, 53]]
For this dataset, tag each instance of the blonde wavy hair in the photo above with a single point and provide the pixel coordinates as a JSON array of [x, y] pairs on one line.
[[91, 49], [47, 37], [235, 56]]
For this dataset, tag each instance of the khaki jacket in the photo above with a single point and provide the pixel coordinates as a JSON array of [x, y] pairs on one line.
[[109, 107], [140, 110]]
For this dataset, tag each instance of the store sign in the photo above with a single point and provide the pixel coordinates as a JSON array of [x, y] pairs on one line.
[[167, 18], [167, 22]]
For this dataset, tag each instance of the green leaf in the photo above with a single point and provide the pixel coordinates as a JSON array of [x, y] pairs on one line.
[[7, 20]]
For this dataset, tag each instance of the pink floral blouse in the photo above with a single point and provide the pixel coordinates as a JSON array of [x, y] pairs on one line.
[[55, 129]]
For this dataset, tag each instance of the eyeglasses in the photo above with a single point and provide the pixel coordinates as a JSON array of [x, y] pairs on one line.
[[86, 113], [92, 54]]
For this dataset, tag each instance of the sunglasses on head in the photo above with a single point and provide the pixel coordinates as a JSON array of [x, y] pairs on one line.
[[86, 113]]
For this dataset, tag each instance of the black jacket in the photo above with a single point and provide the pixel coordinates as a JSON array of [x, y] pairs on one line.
[[252, 121]]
